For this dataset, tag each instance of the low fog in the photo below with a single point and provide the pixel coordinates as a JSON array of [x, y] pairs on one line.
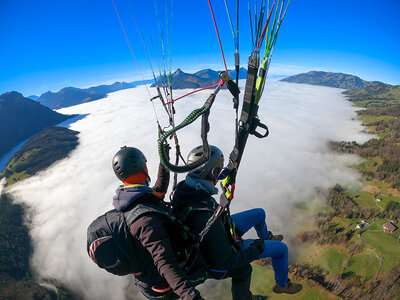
[[275, 172]]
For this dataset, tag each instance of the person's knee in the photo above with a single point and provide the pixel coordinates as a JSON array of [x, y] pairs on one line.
[[284, 249], [260, 213]]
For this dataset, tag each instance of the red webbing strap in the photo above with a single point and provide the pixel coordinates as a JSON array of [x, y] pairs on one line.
[[202, 89]]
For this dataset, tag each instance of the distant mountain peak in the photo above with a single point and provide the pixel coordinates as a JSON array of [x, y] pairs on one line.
[[24, 117], [331, 79], [178, 71], [69, 96], [11, 95]]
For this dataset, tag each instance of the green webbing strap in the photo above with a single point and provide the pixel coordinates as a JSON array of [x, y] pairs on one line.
[[193, 116], [261, 80], [204, 111]]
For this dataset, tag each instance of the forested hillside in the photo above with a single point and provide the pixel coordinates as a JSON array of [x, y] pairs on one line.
[[47, 147], [20, 118], [336, 80]]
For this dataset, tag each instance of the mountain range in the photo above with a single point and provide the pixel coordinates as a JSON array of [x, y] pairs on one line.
[[336, 80], [200, 79], [21, 118], [70, 96]]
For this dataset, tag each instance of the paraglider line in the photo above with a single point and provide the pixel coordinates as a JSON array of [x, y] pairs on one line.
[[205, 88], [219, 40], [265, 28], [134, 57], [130, 47]]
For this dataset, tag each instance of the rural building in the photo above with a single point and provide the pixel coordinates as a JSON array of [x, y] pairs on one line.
[[378, 199], [362, 225], [389, 227]]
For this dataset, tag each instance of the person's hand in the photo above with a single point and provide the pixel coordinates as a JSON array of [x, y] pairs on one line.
[[166, 149], [259, 244], [196, 295]]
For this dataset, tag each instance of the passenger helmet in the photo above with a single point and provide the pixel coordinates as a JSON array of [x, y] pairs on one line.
[[128, 161], [212, 168]]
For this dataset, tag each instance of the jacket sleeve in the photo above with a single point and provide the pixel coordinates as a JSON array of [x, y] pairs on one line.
[[162, 182], [151, 231], [220, 252]]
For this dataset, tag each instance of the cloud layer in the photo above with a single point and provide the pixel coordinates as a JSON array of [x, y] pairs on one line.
[[275, 173]]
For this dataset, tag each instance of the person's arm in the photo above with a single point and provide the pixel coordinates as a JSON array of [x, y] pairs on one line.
[[220, 251], [163, 176], [151, 231]]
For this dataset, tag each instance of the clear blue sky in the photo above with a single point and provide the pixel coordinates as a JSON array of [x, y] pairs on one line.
[[48, 44]]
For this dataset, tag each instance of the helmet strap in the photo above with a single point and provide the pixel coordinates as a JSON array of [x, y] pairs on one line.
[[148, 180]]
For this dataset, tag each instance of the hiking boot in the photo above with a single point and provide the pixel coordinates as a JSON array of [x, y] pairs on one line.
[[272, 237], [291, 288]]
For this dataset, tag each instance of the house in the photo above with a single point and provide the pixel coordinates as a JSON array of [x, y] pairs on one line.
[[378, 199], [362, 225], [389, 227]]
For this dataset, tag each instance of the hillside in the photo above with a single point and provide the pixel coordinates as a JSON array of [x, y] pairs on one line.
[[47, 147], [21, 118], [336, 80], [334, 259], [67, 97], [378, 97], [199, 79], [17, 280], [361, 261], [382, 117], [72, 96]]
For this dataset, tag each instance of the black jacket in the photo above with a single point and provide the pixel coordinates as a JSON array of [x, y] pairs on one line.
[[156, 235], [217, 247]]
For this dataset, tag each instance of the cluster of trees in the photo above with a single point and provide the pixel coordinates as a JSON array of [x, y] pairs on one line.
[[378, 96], [15, 242], [49, 146], [16, 279], [392, 209], [345, 205], [327, 232], [386, 149], [348, 285], [381, 100]]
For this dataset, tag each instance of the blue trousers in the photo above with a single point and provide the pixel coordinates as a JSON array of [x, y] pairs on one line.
[[276, 250]]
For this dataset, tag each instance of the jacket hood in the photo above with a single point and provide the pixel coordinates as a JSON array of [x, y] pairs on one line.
[[201, 184], [125, 196], [185, 194]]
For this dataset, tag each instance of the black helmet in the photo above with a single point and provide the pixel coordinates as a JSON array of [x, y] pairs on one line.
[[128, 161], [212, 168]]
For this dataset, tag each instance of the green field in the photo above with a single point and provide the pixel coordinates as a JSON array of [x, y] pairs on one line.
[[370, 165], [366, 200], [377, 225], [365, 264], [367, 119], [330, 258], [347, 224], [386, 244], [262, 284], [366, 197]]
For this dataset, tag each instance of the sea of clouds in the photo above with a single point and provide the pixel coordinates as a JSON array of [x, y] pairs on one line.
[[275, 173]]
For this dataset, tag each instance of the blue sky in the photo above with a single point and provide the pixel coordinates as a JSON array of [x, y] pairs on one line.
[[47, 44]]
